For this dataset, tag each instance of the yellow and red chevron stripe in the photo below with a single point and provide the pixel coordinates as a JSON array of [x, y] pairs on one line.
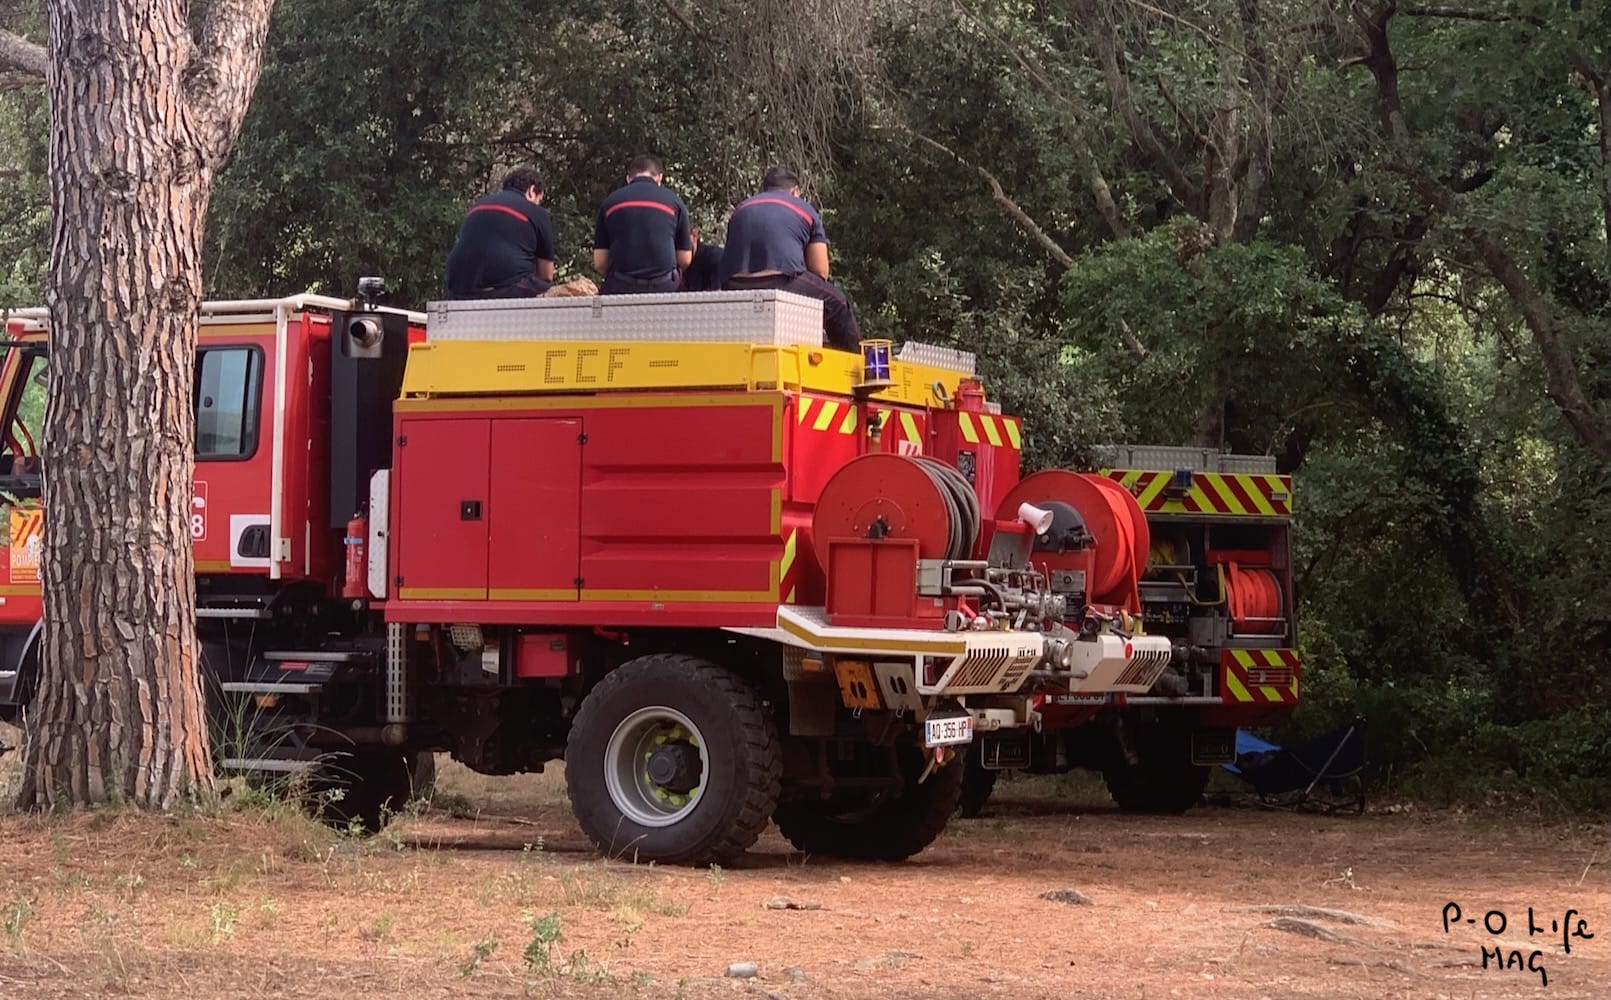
[[787, 577], [1259, 676], [836, 416], [990, 428], [901, 427], [830, 415], [1210, 493]]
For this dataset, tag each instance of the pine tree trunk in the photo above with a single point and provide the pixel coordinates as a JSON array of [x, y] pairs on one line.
[[140, 122]]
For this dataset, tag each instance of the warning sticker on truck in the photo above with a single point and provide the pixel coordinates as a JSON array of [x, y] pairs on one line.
[[27, 540]]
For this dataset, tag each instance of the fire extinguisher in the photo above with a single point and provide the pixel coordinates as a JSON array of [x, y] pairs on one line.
[[356, 587]]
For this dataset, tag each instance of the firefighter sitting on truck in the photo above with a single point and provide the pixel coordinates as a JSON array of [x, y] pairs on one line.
[[641, 240], [505, 248], [702, 272], [775, 239]]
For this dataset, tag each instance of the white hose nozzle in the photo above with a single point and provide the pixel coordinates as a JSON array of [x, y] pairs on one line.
[[1040, 520]]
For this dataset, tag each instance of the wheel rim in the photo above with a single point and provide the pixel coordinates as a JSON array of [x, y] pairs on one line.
[[655, 767]]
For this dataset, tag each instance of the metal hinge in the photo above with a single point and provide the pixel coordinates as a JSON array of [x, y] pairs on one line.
[[581, 438], [580, 583], [402, 439], [397, 581]]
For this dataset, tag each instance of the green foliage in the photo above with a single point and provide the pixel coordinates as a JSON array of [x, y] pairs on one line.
[[24, 206], [1249, 323], [1452, 531], [545, 931]]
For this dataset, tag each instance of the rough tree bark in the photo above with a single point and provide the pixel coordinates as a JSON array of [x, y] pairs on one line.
[[143, 114]]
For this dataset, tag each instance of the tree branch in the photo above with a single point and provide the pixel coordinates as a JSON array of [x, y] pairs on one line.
[[1378, 58], [1100, 191], [1119, 90], [1603, 95], [18, 53], [1542, 317], [223, 72], [1132, 341], [681, 17], [1399, 262], [999, 196], [1202, 141], [1601, 89], [1167, 16], [1098, 182], [17, 81]]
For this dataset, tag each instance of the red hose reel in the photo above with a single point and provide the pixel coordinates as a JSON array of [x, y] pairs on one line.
[[1114, 520], [1253, 596], [883, 495], [874, 520]]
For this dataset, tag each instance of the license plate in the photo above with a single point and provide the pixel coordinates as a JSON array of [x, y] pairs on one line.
[[1079, 699], [947, 730]]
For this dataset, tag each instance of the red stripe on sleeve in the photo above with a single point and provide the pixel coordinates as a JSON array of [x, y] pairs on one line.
[[639, 204], [791, 206], [502, 208]]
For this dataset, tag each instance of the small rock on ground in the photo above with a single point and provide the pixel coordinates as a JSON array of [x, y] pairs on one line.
[[1293, 925], [794, 973], [1073, 897], [743, 970], [785, 903], [889, 960], [1312, 913]]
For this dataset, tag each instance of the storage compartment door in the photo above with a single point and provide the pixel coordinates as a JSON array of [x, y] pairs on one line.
[[443, 510], [535, 509]]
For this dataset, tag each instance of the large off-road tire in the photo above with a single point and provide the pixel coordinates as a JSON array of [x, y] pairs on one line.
[[978, 782], [361, 789], [1155, 788], [673, 759], [876, 826]]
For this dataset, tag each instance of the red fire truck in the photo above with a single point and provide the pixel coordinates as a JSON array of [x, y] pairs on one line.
[[1217, 581], [727, 574]]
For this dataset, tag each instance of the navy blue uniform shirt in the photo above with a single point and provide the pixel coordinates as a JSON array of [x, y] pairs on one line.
[[769, 232], [642, 225], [701, 274], [500, 241]]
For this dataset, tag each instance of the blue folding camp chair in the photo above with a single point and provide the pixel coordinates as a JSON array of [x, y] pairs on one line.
[[1325, 773]]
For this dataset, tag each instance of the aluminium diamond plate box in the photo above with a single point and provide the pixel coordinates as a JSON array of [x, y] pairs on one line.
[[766, 316], [940, 357], [1164, 459]]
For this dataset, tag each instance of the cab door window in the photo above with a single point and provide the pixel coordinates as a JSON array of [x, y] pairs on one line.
[[229, 384]]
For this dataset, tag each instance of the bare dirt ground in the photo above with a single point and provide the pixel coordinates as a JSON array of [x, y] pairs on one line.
[[507, 899]]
